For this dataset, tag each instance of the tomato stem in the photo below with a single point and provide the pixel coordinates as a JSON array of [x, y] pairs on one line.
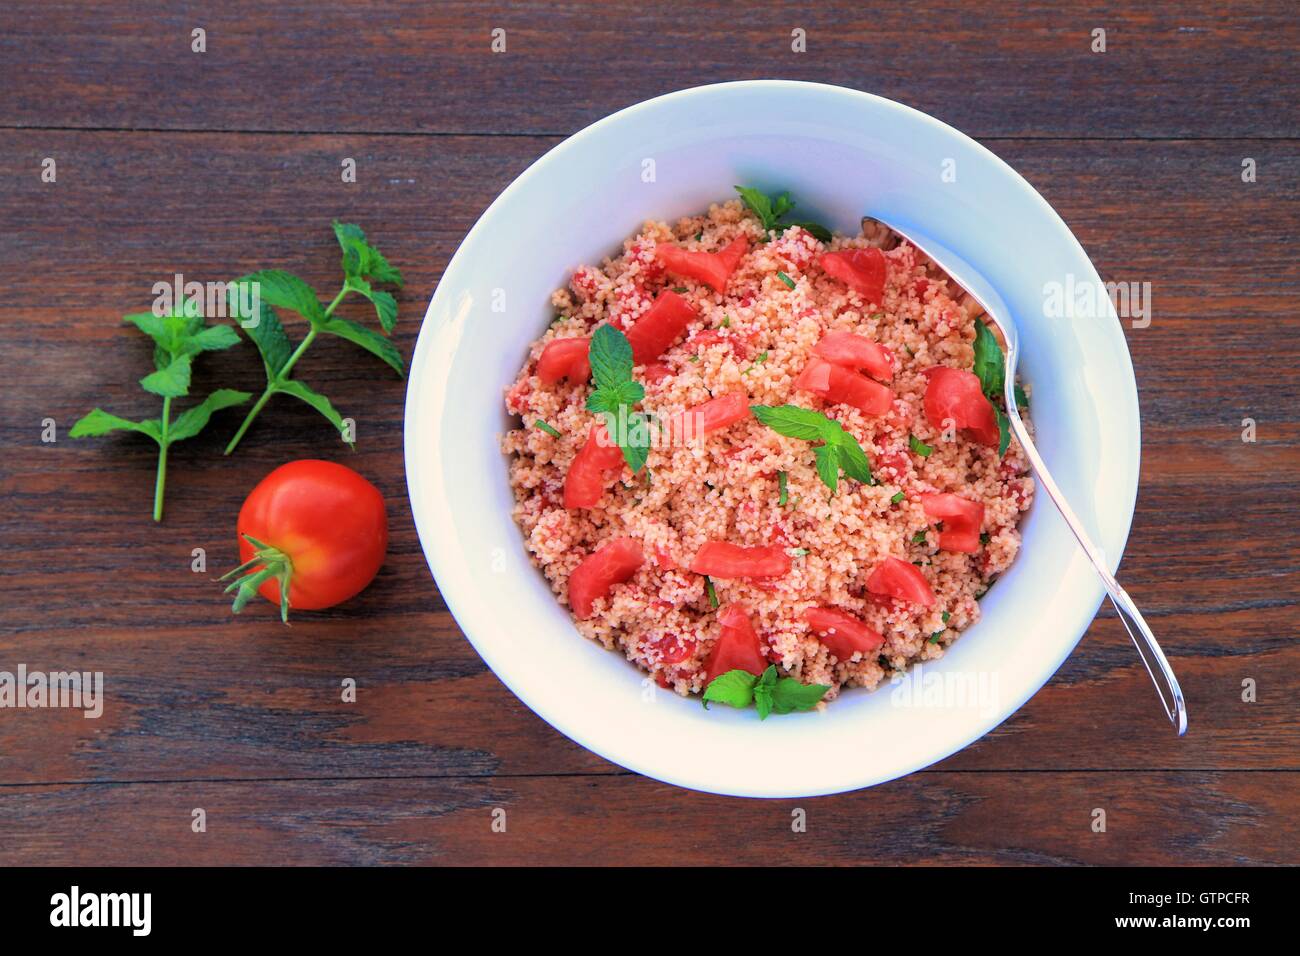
[[283, 375], [266, 563], [161, 481]]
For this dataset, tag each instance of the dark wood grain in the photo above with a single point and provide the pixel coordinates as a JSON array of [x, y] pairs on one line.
[[1151, 818], [243, 717], [993, 69]]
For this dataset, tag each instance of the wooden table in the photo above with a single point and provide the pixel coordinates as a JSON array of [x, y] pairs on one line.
[[216, 163]]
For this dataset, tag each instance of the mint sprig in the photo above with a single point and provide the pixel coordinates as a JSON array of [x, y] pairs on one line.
[[610, 355], [178, 338], [992, 372], [838, 450], [771, 210], [363, 266], [769, 693]]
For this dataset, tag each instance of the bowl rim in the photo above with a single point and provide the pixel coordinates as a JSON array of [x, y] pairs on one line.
[[438, 558]]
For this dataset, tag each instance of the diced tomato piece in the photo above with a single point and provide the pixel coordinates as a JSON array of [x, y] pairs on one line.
[[899, 579], [954, 393], [857, 352], [838, 384], [612, 563], [737, 647], [720, 559], [564, 358], [843, 634], [597, 463], [711, 268], [862, 270], [660, 327], [656, 372], [962, 520], [710, 416], [673, 649]]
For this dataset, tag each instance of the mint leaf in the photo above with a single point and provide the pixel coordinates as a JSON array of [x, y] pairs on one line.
[[361, 259], [292, 386], [991, 370], [99, 422], [213, 338], [854, 460], [610, 355], [828, 465], [759, 205], [989, 364], [763, 692], [771, 210], [177, 338], [839, 449], [817, 229], [193, 420], [789, 695], [371, 341], [918, 446], [793, 421], [171, 381], [264, 329], [734, 688], [288, 292], [635, 442], [385, 305]]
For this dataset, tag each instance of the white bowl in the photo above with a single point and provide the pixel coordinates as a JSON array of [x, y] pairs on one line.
[[841, 154]]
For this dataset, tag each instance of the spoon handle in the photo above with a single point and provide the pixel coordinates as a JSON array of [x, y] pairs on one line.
[[1162, 675]]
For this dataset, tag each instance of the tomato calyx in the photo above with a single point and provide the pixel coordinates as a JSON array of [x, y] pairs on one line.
[[266, 563]]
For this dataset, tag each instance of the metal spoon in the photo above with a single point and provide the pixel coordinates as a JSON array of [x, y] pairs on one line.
[[995, 309]]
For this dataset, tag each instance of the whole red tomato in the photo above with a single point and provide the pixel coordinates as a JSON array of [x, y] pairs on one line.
[[311, 535]]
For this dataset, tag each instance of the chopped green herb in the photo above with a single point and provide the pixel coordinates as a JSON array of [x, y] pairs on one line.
[[898, 496], [782, 482], [786, 279], [799, 552], [920, 447], [908, 350], [838, 450], [681, 289], [984, 537], [945, 616], [709, 589], [919, 537], [549, 429], [726, 322], [770, 693], [759, 359], [694, 358], [1021, 398], [699, 235], [934, 638]]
